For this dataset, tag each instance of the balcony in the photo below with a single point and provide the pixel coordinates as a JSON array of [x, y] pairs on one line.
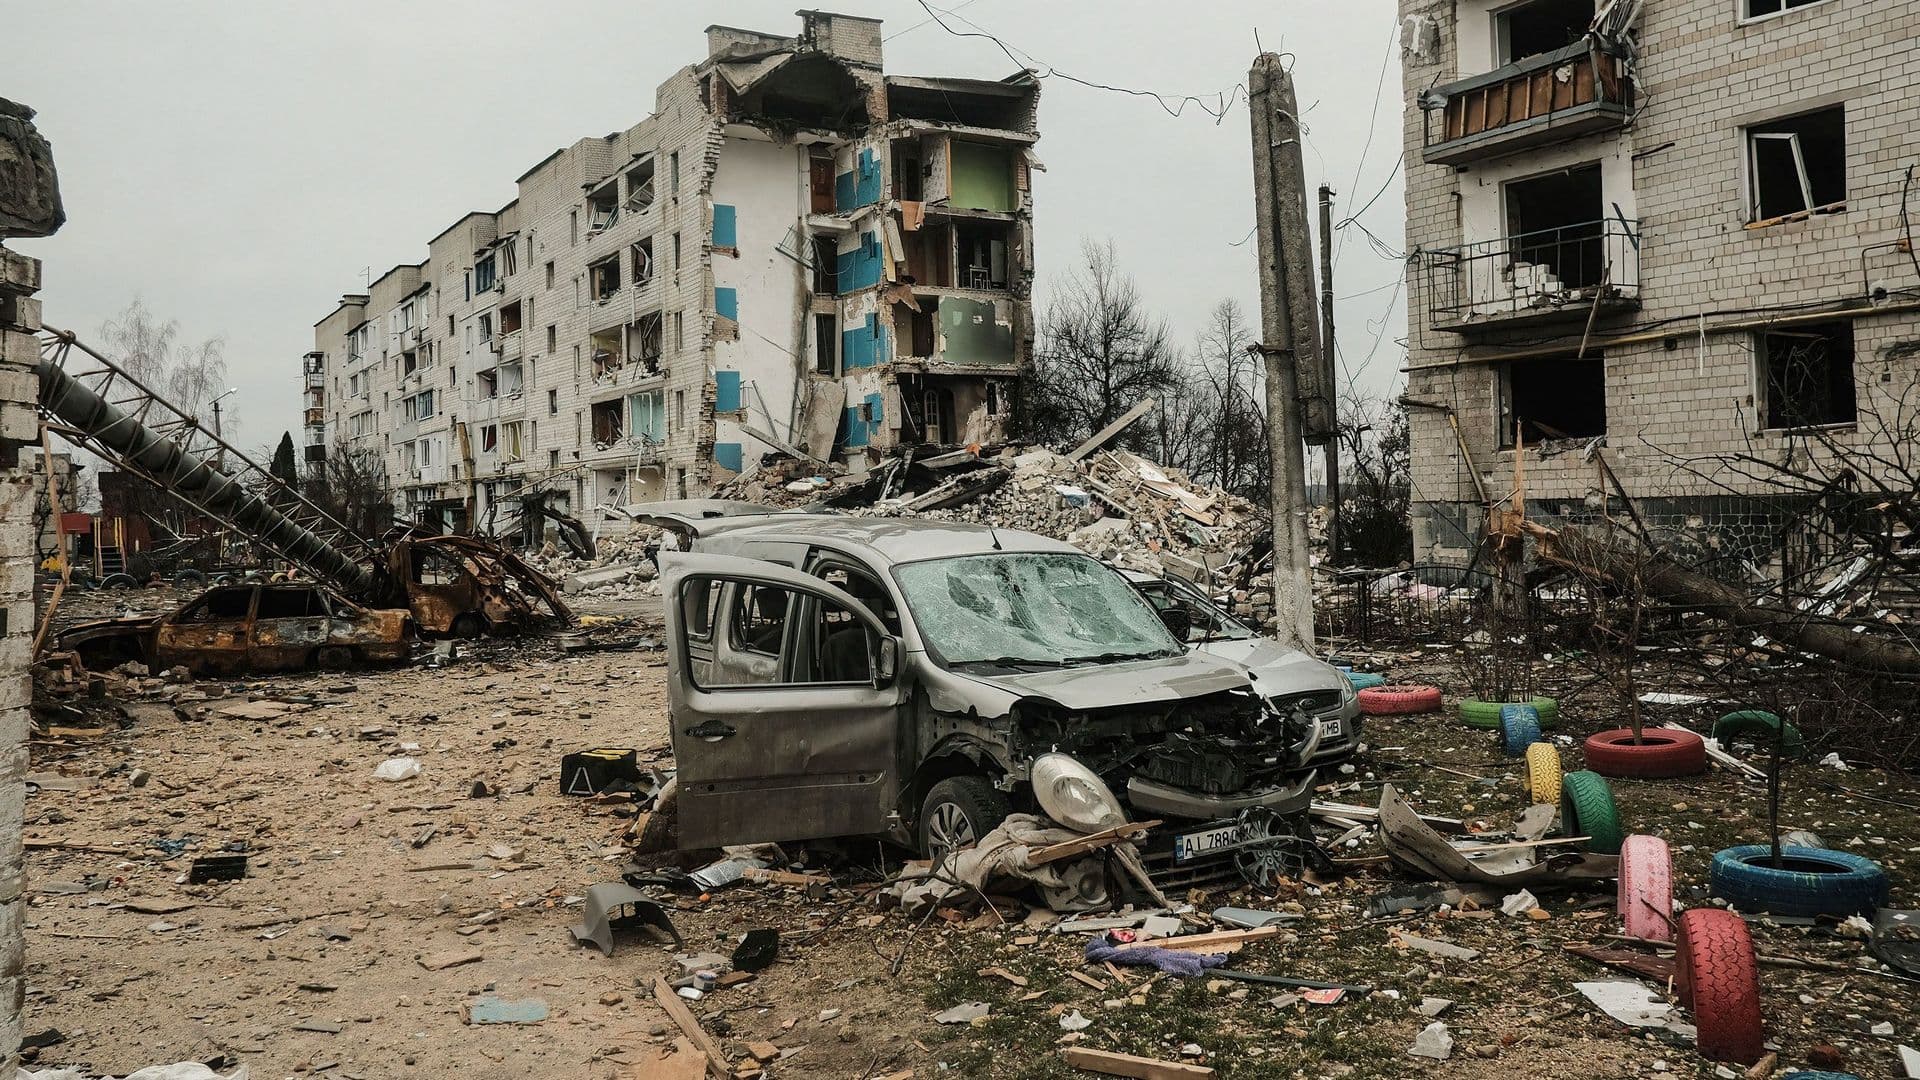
[[1546, 98], [1568, 273]]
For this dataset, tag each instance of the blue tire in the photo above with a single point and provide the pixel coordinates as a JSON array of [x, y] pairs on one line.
[[1519, 729], [1365, 680], [1814, 881]]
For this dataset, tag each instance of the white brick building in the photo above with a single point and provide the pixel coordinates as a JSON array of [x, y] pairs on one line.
[[1709, 206], [794, 251]]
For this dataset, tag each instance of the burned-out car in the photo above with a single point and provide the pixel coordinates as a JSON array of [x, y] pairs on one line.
[[1279, 672], [920, 680], [231, 629]]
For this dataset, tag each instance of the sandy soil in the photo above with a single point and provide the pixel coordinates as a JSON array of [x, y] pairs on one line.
[[314, 962]]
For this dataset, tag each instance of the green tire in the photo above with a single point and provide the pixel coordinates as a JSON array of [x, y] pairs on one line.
[[1587, 809], [1762, 726], [1486, 714]]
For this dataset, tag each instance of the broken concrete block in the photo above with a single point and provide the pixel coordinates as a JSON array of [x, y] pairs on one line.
[[1434, 1041]]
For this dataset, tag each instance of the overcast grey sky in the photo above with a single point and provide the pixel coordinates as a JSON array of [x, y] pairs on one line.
[[239, 165]]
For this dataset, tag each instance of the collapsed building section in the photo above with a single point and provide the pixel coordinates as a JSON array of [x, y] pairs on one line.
[[796, 254]]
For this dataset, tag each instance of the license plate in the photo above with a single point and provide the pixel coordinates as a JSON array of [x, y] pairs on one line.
[[1193, 845], [1333, 728]]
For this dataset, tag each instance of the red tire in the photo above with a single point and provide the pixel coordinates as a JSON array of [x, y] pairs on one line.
[[1646, 888], [1661, 752], [1717, 977], [1399, 700]]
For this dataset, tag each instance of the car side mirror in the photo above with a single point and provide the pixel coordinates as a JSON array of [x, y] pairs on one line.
[[1179, 621], [886, 662]]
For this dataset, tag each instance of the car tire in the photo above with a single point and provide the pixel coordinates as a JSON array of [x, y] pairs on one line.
[[1365, 680], [333, 658], [1716, 975], [1764, 726], [958, 812], [1587, 809], [1645, 899], [1543, 773], [1519, 729], [119, 581], [468, 626], [1486, 714], [1399, 700], [190, 579], [1660, 753], [1816, 881]]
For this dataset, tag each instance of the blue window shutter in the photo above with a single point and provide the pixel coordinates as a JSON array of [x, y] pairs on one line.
[[724, 233], [727, 454], [726, 391], [726, 301]]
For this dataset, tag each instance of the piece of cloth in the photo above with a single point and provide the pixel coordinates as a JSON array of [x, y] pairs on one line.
[[1171, 961], [998, 863]]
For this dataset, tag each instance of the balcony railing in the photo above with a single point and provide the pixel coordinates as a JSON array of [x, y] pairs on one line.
[[1533, 101], [1568, 272]]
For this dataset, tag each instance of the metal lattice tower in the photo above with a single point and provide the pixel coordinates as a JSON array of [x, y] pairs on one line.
[[96, 405]]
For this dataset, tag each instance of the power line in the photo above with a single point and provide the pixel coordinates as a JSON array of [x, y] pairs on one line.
[[1223, 100], [1373, 119], [924, 22]]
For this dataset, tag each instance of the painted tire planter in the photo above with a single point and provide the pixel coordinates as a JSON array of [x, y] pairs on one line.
[[1399, 700], [1486, 714], [1519, 729], [1645, 900], [1762, 726], [1717, 976], [1365, 680], [1813, 881], [1543, 773], [1587, 809], [1661, 752]]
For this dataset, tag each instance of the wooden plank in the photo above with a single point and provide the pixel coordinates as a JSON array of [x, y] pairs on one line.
[[1067, 849], [1218, 941], [676, 1010], [1101, 437], [1108, 1063], [784, 877]]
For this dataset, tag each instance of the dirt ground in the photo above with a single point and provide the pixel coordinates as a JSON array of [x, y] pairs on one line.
[[318, 961]]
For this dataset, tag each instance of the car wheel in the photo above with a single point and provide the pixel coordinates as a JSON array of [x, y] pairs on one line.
[[333, 658], [468, 626], [119, 581], [190, 579], [959, 811]]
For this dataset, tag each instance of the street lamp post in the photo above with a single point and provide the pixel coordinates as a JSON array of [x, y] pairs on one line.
[[220, 453]]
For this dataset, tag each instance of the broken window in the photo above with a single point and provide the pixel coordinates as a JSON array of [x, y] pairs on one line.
[[1808, 374], [293, 603], [1555, 398], [409, 362], [486, 327], [640, 186], [1798, 164], [1540, 26], [647, 416], [489, 438], [489, 383], [604, 278], [644, 342], [434, 568], [509, 259], [642, 258], [820, 180], [1048, 608], [1760, 9], [826, 343], [607, 357], [511, 447], [608, 427], [907, 169], [1555, 230], [510, 318], [603, 209], [219, 604], [826, 258], [981, 253], [483, 273]]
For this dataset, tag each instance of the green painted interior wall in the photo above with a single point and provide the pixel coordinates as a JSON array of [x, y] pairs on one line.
[[972, 332], [982, 177]]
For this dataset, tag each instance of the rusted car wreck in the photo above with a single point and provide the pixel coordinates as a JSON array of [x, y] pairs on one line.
[[231, 629], [464, 586]]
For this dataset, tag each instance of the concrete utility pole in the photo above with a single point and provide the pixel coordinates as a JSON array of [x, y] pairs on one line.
[[1329, 366], [1289, 330]]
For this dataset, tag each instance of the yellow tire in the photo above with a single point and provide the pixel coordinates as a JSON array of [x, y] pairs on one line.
[[1543, 773]]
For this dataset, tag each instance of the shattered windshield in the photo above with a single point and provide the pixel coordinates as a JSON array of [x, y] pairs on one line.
[[1030, 607]]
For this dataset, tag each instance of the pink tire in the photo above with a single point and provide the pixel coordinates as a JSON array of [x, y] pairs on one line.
[[1646, 888]]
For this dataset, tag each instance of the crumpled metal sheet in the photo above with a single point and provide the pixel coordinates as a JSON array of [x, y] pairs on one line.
[[1415, 845], [599, 916]]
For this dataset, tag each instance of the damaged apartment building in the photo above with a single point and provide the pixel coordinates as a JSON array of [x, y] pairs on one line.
[[1667, 233], [795, 254]]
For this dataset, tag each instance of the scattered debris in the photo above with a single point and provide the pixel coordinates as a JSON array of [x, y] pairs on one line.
[[963, 1014], [601, 914], [1434, 1041], [397, 769], [492, 1010]]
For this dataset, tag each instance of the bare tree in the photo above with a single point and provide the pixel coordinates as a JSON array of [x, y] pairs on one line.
[[1237, 456], [1377, 488], [187, 374], [1101, 352], [352, 488]]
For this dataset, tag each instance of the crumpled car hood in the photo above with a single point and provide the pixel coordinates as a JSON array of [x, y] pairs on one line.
[[1098, 686], [1276, 668], [95, 628]]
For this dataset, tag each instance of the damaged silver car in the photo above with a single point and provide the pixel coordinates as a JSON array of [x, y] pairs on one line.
[[868, 676]]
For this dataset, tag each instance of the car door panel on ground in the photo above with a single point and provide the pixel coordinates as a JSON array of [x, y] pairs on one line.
[[774, 751]]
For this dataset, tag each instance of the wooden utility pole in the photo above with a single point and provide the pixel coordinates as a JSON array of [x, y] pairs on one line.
[[1290, 333], [1330, 369]]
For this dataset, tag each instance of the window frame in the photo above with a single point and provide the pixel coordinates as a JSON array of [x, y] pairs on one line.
[[1742, 18], [1763, 381]]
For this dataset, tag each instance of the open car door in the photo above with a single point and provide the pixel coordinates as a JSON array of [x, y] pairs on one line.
[[784, 698]]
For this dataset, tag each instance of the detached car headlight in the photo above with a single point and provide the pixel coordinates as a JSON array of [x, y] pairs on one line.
[[1074, 795]]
